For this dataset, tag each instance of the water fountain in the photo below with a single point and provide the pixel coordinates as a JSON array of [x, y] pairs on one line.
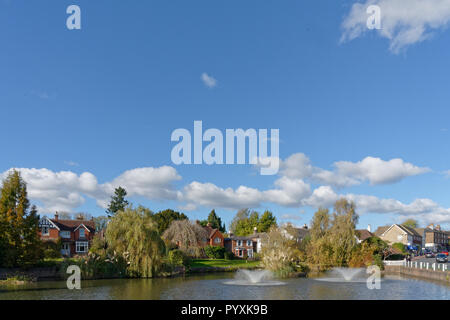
[[253, 278], [344, 275]]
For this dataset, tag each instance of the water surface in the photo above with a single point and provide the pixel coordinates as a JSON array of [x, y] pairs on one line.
[[213, 286]]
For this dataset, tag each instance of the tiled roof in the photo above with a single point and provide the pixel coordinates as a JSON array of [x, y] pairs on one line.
[[409, 230], [210, 231], [363, 234], [380, 230], [71, 225]]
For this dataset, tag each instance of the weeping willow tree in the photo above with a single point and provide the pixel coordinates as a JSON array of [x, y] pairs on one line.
[[133, 234], [188, 236]]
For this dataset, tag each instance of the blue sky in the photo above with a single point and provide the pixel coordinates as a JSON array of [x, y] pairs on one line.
[[105, 100]]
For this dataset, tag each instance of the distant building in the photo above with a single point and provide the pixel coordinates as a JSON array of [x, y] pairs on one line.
[[363, 234], [433, 237], [75, 235], [244, 246], [401, 234]]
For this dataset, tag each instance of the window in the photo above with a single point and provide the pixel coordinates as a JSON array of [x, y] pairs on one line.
[[82, 235], [249, 243], [45, 231], [239, 243], [82, 247], [217, 240], [65, 234]]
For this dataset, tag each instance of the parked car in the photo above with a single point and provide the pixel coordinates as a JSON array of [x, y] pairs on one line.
[[441, 258], [429, 254], [444, 252]]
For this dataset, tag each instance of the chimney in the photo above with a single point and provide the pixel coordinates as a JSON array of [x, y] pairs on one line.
[[80, 217], [369, 228], [255, 230], [56, 216], [230, 234], [431, 226], [305, 227], [438, 227]]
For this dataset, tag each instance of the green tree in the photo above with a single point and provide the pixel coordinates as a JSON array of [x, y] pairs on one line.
[[266, 221], [245, 222], [411, 223], [215, 221], [132, 233], [166, 217], [19, 240], [100, 223], [118, 202]]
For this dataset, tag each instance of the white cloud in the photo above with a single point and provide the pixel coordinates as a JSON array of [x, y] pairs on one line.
[[403, 22], [209, 81], [370, 169], [65, 190]]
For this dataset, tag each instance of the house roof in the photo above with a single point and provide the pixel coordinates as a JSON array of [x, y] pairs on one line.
[[210, 231], [71, 225], [381, 230], [363, 234], [409, 230]]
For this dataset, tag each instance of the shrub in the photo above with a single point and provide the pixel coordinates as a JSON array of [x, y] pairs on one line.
[[176, 257], [228, 255], [399, 246], [52, 249], [214, 252]]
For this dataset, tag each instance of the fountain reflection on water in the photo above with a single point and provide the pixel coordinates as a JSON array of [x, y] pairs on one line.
[[345, 275], [254, 278]]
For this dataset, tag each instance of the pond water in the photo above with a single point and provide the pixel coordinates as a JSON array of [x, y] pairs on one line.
[[219, 286]]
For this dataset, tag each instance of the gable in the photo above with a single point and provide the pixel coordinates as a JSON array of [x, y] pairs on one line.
[[46, 222]]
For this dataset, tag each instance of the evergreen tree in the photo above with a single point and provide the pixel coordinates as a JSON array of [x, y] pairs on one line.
[[266, 221], [118, 202], [215, 221], [19, 238], [166, 217]]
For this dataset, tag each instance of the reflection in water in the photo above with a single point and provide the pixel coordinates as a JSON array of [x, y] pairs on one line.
[[212, 286]]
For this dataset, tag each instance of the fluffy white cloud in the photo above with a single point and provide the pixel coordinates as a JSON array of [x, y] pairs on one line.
[[65, 190], [345, 173], [208, 81], [210, 195], [403, 22]]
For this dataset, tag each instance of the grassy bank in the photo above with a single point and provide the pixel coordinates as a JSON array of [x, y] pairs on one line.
[[222, 265]]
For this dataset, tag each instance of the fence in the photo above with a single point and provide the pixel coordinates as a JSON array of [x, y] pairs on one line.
[[426, 265]]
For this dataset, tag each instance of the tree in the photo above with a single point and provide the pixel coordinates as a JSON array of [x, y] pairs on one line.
[[166, 217], [333, 238], [187, 236], [245, 222], [118, 202], [215, 221], [280, 254], [101, 223], [133, 234], [342, 232], [411, 223], [266, 221], [19, 240]]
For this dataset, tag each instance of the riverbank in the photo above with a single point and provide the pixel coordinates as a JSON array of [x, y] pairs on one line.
[[52, 270], [441, 276]]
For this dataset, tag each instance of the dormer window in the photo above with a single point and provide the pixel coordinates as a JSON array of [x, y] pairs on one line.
[[82, 233]]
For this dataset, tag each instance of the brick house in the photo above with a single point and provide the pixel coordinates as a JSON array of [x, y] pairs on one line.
[[433, 237], [75, 235], [215, 237], [244, 247]]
